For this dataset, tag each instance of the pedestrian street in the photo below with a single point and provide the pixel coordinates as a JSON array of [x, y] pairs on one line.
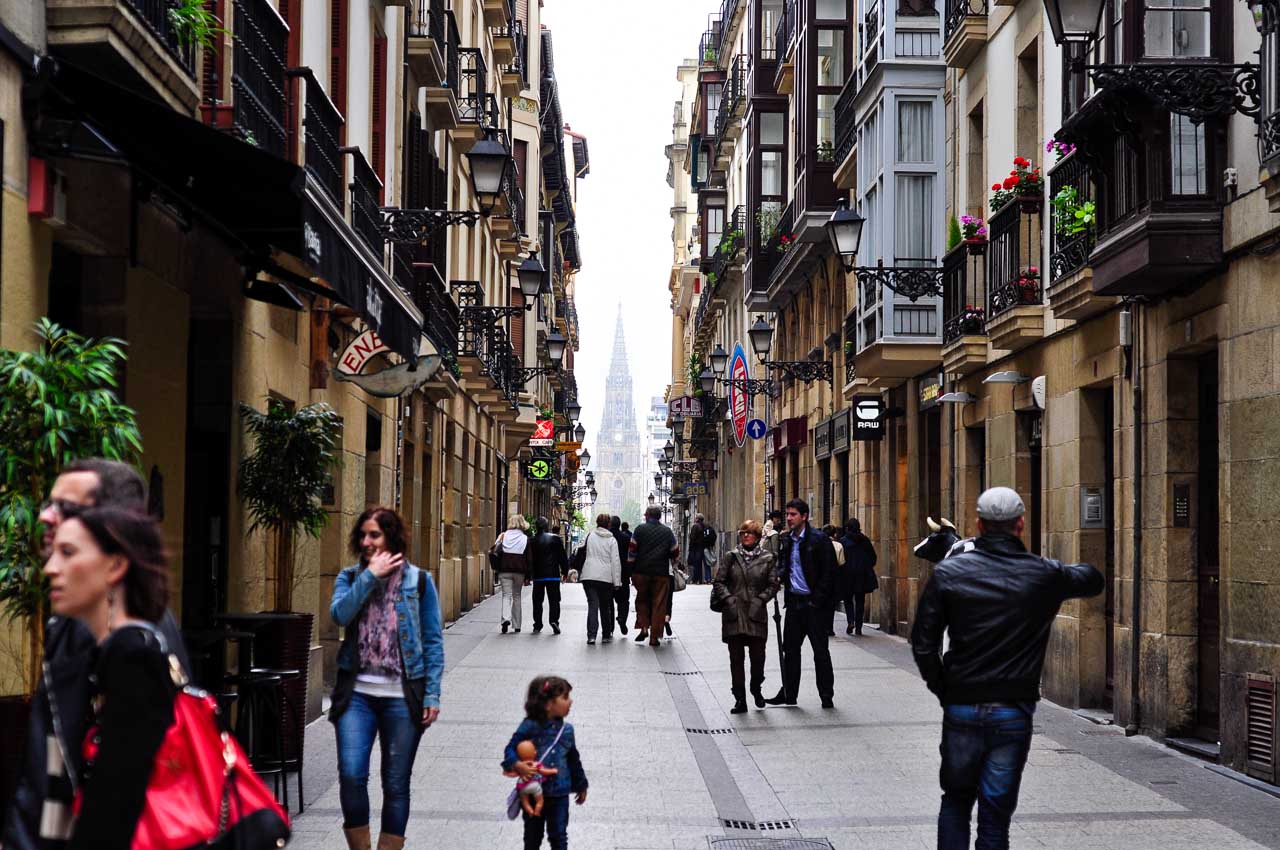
[[670, 768]]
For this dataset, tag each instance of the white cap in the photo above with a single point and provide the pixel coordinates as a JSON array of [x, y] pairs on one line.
[[1000, 504]]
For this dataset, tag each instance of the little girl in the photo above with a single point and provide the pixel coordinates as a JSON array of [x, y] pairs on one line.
[[546, 706]]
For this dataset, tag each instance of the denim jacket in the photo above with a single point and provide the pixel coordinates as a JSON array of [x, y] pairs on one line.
[[421, 633], [563, 758]]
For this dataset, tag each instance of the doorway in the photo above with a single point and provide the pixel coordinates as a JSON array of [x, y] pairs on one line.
[[930, 469], [1030, 430], [1207, 574]]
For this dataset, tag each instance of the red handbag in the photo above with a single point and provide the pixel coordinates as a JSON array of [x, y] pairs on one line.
[[203, 792]]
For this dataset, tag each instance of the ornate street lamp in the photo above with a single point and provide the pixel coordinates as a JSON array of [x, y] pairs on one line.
[[585, 457], [708, 381], [761, 334], [1074, 21], [845, 231], [579, 433], [669, 450], [657, 479], [531, 275], [719, 360], [573, 410], [489, 160], [807, 371], [555, 348]]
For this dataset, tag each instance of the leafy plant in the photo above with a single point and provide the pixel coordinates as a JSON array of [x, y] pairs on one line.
[[848, 347], [1060, 149], [972, 227], [283, 477], [578, 521], [450, 361], [695, 368], [767, 220], [953, 233], [1071, 217], [1023, 180], [826, 151], [194, 24], [57, 403]]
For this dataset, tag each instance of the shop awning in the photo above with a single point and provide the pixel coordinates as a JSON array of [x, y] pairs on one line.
[[272, 209]]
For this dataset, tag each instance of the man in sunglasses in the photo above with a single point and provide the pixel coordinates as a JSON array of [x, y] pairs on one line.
[[39, 816]]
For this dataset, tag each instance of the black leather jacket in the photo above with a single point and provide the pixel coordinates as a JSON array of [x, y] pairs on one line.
[[817, 559], [549, 558], [997, 601]]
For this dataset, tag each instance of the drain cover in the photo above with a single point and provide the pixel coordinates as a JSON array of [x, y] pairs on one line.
[[756, 824], [693, 731], [769, 843]]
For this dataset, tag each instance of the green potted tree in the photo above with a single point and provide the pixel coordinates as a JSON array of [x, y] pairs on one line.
[[57, 403]]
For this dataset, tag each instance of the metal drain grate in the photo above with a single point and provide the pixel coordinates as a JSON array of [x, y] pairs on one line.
[[768, 843], [682, 672], [760, 825], [692, 731]]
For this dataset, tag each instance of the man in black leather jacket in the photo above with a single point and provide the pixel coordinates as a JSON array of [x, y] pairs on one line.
[[998, 602], [806, 564], [39, 817], [550, 565]]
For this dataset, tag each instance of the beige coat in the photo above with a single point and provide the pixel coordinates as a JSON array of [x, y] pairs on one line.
[[744, 583]]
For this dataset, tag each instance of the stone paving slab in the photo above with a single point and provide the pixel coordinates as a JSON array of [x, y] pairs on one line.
[[863, 776]]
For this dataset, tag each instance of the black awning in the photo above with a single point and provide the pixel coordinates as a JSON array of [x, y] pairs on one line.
[[264, 204]]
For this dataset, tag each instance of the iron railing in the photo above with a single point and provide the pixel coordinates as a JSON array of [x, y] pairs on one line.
[[785, 29], [846, 119], [709, 44], [520, 65], [322, 151], [154, 15], [513, 192], [366, 211], [728, 8], [451, 48], [476, 105], [772, 247], [963, 294], [258, 77], [1071, 235], [734, 94], [1015, 256], [429, 21], [958, 10]]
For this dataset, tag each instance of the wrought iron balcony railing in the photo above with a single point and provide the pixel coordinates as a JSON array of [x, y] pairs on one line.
[[440, 314], [846, 119], [521, 62], [964, 297], [958, 10], [1072, 229], [735, 93], [709, 44], [258, 76], [429, 22], [770, 245], [1015, 256], [728, 8], [476, 105], [322, 152], [155, 16], [786, 28], [366, 209]]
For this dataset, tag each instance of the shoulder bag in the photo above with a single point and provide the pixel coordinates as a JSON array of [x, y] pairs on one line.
[[513, 799], [679, 580]]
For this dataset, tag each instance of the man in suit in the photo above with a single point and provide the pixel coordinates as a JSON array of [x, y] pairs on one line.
[[806, 566]]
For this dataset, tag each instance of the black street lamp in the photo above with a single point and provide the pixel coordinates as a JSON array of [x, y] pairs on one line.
[[807, 371], [579, 433], [489, 161], [708, 381], [585, 457], [1074, 21], [573, 410], [555, 347], [531, 275], [657, 479], [844, 228], [761, 334], [669, 450], [719, 360]]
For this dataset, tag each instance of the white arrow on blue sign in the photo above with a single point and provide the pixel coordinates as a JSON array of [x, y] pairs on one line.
[[756, 429]]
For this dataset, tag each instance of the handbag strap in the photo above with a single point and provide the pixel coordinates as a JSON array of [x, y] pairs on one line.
[[547, 752]]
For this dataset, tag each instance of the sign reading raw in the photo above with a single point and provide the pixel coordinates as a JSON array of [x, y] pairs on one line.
[[868, 417]]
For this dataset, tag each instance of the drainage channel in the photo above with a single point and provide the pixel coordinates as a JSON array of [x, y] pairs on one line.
[[711, 742]]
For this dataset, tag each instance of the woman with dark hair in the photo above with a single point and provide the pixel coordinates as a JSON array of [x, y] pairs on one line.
[[859, 577], [107, 569], [389, 671]]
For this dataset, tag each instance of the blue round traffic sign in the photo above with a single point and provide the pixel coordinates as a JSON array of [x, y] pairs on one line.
[[756, 429]]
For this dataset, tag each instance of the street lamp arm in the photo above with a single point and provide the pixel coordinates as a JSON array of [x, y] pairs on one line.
[[1198, 91], [807, 371], [754, 386], [413, 227]]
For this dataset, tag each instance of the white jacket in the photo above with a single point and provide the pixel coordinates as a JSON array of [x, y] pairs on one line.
[[602, 562]]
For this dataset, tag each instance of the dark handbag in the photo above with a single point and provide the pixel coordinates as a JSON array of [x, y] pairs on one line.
[[495, 560]]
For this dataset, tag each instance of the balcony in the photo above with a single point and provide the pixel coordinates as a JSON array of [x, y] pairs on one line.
[[440, 314], [897, 337], [500, 13], [127, 41], [428, 45], [846, 135], [366, 203], [442, 97], [784, 78], [965, 33], [1071, 241], [514, 76], [1015, 263], [709, 44], [477, 106], [321, 132], [259, 104], [964, 331]]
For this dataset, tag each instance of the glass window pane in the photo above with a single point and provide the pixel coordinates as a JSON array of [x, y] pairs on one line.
[[772, 128], [771, 173], [833, 10], [827, 122], [830, 57], [713, 105], [770, 12], [915, 131], [715, 227], [1176, 28], [1186, 142], [913, 220]]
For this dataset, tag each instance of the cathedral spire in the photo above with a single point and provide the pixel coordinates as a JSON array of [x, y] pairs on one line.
[[619, 365], [617, 461]]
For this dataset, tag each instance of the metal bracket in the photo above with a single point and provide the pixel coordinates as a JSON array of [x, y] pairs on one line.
[[1197, 91], [413, 227], [913, 282], [754, 386], [807, 371]]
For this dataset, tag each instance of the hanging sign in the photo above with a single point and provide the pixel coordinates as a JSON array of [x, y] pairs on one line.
[[868, 417], [686, 405], [695, 488], [544, 435], [739, 402], [538, 470], [361, 350], [568, 447]]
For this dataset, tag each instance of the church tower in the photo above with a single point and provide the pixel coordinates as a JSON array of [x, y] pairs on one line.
[[618, 461]]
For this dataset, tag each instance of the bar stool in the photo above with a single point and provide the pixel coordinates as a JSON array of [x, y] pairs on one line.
[[266, 717]]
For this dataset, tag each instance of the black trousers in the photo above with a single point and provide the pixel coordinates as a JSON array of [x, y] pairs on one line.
[[739, 646], [550, 589], [806, 622], [855, 606], [622, 598]]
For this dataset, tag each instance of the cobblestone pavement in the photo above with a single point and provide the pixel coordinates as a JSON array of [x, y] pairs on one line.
[[670, 767]]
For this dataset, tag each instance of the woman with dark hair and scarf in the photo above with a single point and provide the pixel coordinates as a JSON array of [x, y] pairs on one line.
[[389, 671]]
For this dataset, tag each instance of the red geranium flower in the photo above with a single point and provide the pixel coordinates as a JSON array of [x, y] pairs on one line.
[[995, 187], [1011, 181], [1024, 162]]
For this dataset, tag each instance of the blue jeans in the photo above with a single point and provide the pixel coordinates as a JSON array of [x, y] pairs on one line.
[[984, 748], [554, 820], [398, 734]]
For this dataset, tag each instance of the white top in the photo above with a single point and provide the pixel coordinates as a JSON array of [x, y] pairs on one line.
[[602, 562], [373, 685], [513, 540], [839, 547]]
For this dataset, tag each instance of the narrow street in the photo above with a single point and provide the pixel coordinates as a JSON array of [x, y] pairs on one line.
[[670, 767]]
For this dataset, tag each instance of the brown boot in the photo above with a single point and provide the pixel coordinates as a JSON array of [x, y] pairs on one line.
[[358, 838], [386, 841]]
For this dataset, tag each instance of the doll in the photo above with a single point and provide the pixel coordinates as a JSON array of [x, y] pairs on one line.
[[530, 790]]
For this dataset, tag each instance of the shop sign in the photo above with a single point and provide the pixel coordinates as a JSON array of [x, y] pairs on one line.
[[930, 390], [361, 350], [822, 440], [695, 488], [544, 434], [770, 443], [840, 432], [686, 405], [539, 470], [795, 432], [568, 447], [868, 417], [739, 403]]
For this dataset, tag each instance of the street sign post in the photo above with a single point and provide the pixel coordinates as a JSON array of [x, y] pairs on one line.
[[756, 429]]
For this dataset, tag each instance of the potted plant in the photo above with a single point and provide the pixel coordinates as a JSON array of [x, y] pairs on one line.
[[194, 24], [826, 151], [57, 403], [709, 56], [1061, 150], [1024, 184], [1071, 216], [954, 237], [786, 243], [972, 320], [1029, 286], [974, 232], [848, 347], [767, 221]]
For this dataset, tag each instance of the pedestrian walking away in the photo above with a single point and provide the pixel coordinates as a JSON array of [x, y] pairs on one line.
[[858, 578], [550, 565], [806, 568], [997, 602], [512, 557], [622, 596], [389, 669], [39, 814], [744, 583], [653, 551], [833, 534], [600, 571], [558, 763], [697, 549]]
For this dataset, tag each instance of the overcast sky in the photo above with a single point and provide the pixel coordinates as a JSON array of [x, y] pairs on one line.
[[616, 65]]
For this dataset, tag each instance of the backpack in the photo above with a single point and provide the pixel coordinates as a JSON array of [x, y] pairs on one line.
[[708, 537]]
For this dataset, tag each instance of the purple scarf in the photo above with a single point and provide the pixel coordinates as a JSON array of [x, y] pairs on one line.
[[379, 641]]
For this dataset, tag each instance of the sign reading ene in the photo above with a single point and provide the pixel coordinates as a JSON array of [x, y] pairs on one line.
[[361, 350], [738, 399], [544, 434]]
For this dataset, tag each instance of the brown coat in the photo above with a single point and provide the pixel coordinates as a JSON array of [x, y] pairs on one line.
[[744, 583]]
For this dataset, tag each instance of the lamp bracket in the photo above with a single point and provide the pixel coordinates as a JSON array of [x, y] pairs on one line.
[[1198, 91], [807, 371], [754, 387], [913, 282], [413, 227]]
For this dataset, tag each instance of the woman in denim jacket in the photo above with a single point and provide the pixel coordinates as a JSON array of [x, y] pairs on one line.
[[546, 706], [389, 671]]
